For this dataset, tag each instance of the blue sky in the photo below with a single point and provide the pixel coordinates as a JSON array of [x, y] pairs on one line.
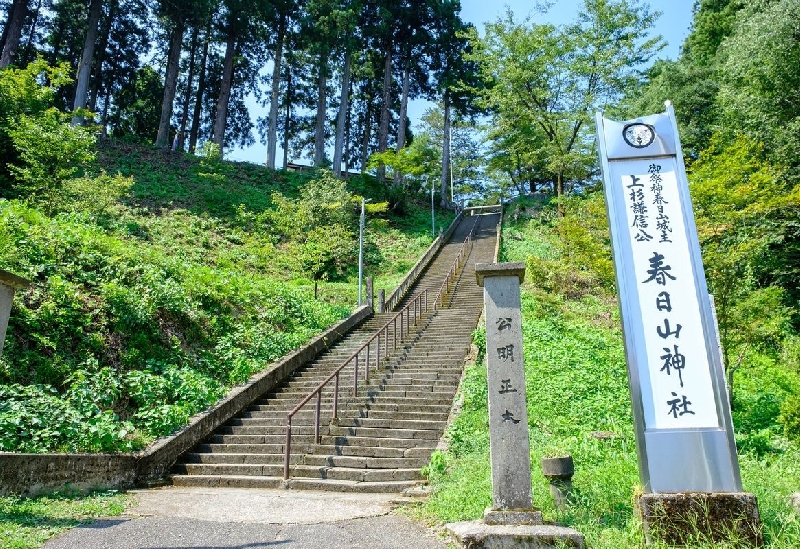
[[672, 25]]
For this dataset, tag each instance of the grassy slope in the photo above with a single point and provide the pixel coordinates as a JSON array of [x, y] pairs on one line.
[[577, 385], [155, 292]]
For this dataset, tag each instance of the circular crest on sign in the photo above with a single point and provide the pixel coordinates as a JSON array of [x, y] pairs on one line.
[[638, 134]]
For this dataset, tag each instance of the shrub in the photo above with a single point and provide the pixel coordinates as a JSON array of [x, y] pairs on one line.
[[39, 148]]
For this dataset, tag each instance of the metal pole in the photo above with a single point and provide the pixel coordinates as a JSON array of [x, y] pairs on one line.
[[287, 450], [336, 396], [433, 217], [355, 378], [450, 158], [317, 416], [361, 251]]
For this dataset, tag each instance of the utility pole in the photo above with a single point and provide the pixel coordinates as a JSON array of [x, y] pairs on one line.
[[361, 251], [433, 218]]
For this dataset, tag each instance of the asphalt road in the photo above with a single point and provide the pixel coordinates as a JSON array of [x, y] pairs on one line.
[[220, 518]]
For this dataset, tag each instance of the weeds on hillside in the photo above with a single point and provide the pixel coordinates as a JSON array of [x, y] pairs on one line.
[[578, 398], [158, 288]]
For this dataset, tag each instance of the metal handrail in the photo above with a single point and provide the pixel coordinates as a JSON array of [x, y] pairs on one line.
[[389, 333], [452, 274]]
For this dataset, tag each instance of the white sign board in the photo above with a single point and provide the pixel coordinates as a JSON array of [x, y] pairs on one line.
[[683, 425], [677, 363]]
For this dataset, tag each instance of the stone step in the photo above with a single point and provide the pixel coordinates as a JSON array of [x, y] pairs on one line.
[[351, 486], [384, 441], [390, 407], [389, 423], [392, 433], [303, 471], [357, 462], [410, 416]]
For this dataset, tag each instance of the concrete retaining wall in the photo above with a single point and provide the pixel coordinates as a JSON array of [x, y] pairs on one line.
[[30, 474]]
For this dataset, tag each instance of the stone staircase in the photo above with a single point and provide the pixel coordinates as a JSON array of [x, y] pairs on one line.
[[384, 436]]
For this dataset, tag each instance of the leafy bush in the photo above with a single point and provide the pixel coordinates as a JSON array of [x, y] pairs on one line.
[[574, 258], [38, 146], [50, 152]]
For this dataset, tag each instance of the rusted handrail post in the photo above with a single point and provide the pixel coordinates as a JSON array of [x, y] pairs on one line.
[[336, 396], [287, 448], [318, 416], [355, 377], [366, 366]]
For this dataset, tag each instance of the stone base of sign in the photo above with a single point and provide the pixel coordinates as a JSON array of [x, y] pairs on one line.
[[687, 518], [512, 517], [794, 501], [477, 534]]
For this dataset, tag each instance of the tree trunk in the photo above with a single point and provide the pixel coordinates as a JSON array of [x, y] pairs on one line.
[[288, 120], [344, 105], [367, 135], [100, 56], [104, 117], [198, 103], [218, 136], [272, 131], [347, 153], [188, 98], [170, 83], [401, 130], [445, 153], [29, 49], [383, 130], [3, 36], [319, 129], [13, 31], [85, 64], [560, 192]]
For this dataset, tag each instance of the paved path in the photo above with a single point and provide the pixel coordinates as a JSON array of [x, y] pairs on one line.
[[219, 518]]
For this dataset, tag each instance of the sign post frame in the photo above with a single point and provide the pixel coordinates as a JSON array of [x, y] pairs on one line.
[[683, 424]]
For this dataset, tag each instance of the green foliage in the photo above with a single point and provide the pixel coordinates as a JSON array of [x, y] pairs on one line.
[[157, 289], [543, 83], [38, 146], [318, 230], [740, 201], [759, 64], [50, 150], [577, 260], [26, 98], [26, 523], [137, 110]]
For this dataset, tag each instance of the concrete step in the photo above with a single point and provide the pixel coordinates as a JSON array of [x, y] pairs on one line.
[[304, 471], [392, 433]]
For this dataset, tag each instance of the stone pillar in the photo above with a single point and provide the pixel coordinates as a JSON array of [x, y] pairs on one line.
[[508, 415], [512, 521], [381, 301], [370, 298], [9, 284]]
